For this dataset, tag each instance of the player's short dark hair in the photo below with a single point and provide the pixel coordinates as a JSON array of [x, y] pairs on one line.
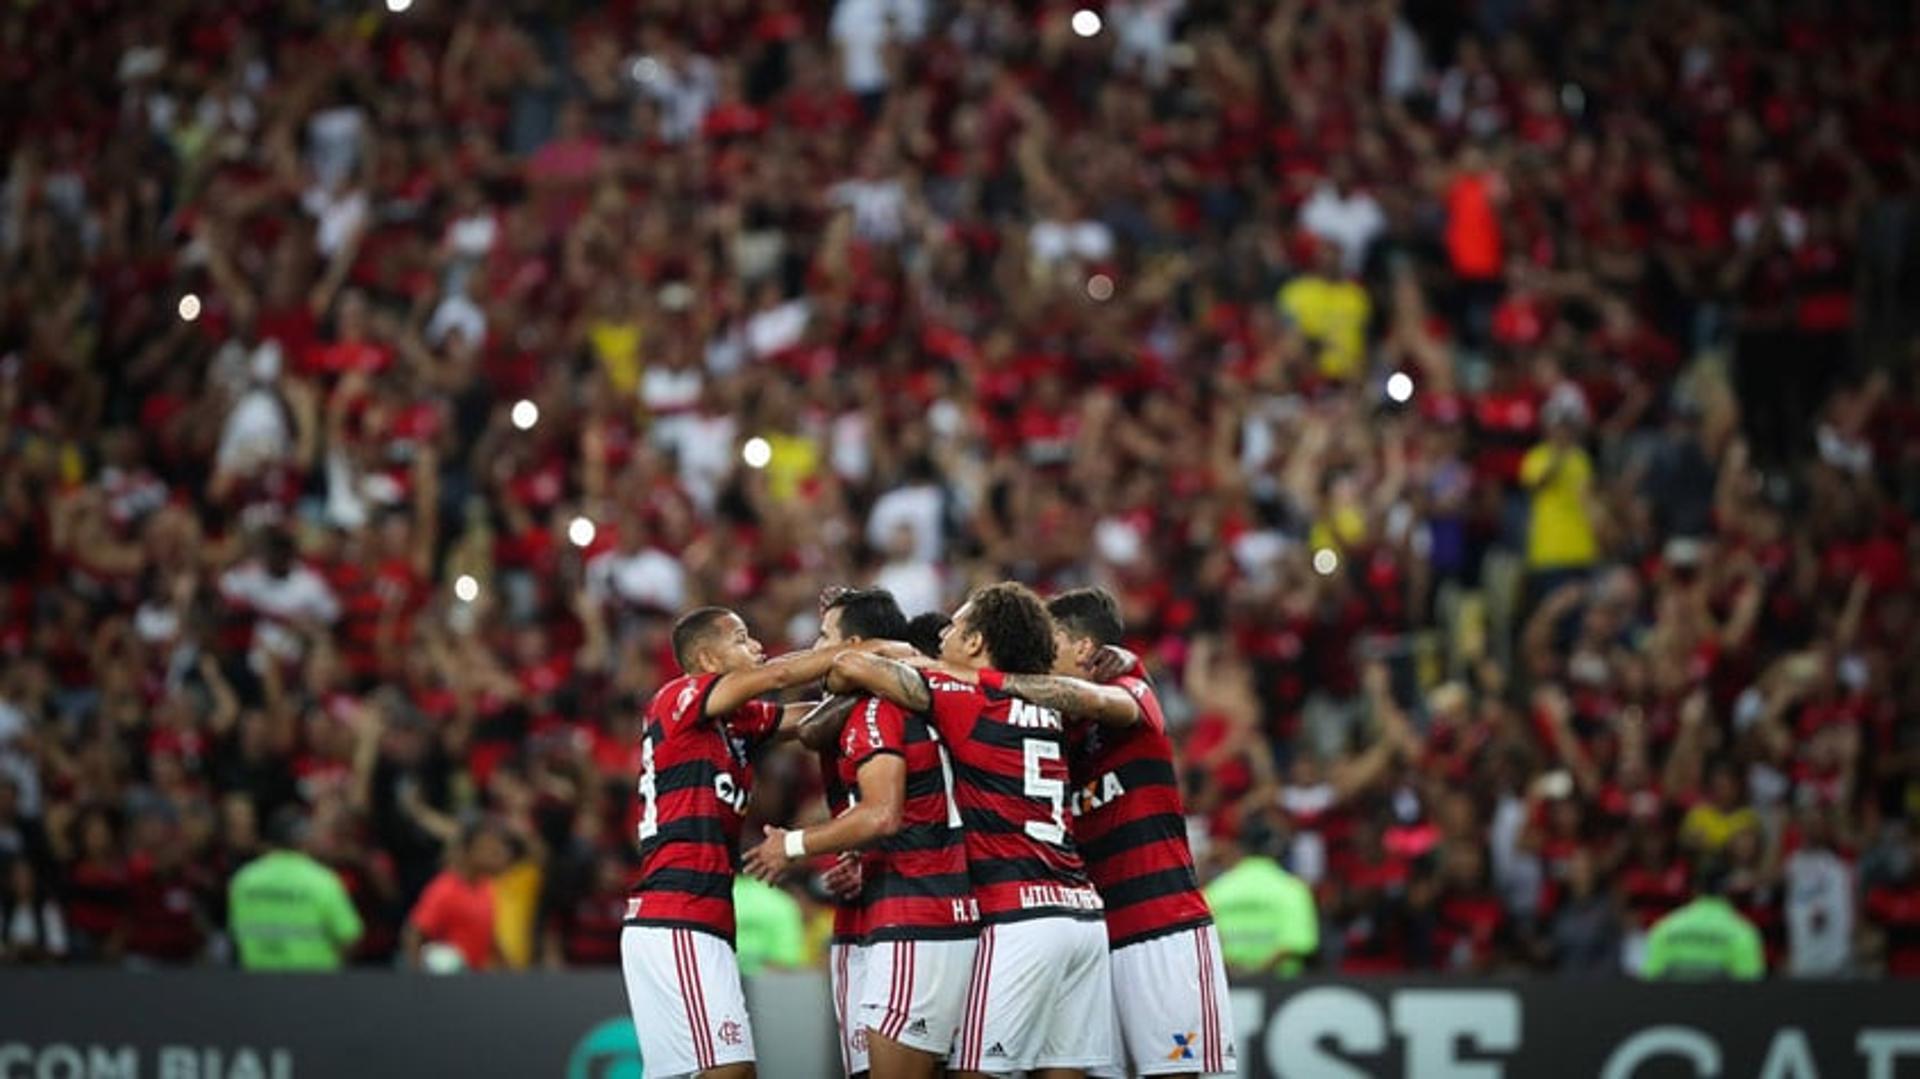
[[870, 614], [691, 630], [924, 630], [1016, 625], [1091, 613]]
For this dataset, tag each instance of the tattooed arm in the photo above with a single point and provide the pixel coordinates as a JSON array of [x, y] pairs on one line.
[[861, 672], [1107, 705]]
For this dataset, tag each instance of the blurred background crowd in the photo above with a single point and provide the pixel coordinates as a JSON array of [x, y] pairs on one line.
[[1498, 418]]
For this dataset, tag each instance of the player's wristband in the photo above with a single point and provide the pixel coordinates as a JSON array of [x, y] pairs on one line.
[[796, 844], [991, 679]]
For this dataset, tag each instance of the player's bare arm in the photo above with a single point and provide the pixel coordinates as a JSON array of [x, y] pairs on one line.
[[862, 672], [1107, 705], [792, 715], [736, 688], [896, 650], [820, 723], [877, 815]]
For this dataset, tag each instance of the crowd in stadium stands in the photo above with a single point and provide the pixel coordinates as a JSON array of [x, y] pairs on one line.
[[1498, 419]]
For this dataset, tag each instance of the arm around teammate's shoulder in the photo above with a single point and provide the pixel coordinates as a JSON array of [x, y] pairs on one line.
[[1109, 706], [736, 688], [858, 671]]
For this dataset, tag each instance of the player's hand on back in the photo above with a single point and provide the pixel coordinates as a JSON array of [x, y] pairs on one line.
[[844, 879], [829, 594], [768, 861]]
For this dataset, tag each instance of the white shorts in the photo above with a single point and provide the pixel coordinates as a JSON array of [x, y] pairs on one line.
[[846, 971], [1042, 998], [1171, 995], [915, 991], [688, 1010]]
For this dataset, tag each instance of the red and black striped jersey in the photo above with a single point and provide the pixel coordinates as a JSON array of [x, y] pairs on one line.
[[1010, 759], [1132, 826], [694, 782], [848, 921], [914, 883]]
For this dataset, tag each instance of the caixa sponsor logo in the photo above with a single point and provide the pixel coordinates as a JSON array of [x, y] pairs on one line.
[[1334, 1032], [729, 792]]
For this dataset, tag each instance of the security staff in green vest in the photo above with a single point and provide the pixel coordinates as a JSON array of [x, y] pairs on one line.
[[1707, 938], [770, 927], [287, 911], [1266, 916]]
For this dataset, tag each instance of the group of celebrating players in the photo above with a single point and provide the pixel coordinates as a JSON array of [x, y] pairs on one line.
[[999, 792]]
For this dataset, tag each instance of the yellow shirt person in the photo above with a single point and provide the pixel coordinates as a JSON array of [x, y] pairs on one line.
[[1332, 313], [616, 345], [1560, 532]]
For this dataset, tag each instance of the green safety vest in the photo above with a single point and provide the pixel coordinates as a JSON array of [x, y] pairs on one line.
[[770, 930], [1707, 938], [1265, 916], [289, 912]]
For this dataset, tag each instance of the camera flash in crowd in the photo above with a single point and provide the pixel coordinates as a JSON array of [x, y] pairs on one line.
[[466, 589], [1325, 561], [1100, 287], [525, 414], [398, 6], [1086, 22], [757, 452], [580, 531], [189, 307], [1399, 387]]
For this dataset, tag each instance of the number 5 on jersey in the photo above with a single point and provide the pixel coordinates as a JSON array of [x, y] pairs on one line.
[[1052, 791]]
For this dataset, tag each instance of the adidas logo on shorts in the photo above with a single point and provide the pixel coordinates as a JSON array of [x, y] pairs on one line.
[[996, 1050], [918, 1026]]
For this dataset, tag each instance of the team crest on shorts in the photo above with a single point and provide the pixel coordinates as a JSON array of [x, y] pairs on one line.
[[731, 1033], [1184, 1045]]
